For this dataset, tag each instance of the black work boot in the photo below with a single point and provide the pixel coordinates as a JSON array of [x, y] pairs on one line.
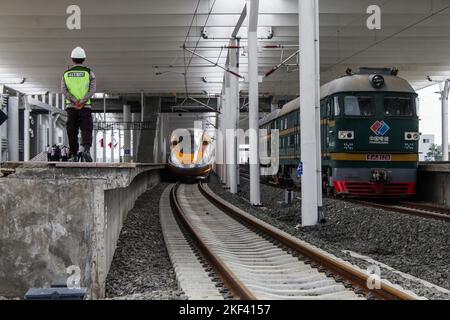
[[87, 154]]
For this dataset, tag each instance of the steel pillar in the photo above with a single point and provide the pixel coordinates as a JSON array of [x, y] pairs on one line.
[[444, 102], [26, 129], [104, 131], [126, 134], [310, 110], [142, 105], [112, 145], [13, 129], [253, 107], [219, 139], [94, 145], [51, 132], [233, 111]]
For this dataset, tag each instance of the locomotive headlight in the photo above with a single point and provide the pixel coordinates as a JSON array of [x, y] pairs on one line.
[[346, 135], [412, 136]]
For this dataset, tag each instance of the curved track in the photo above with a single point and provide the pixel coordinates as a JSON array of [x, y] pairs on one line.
[[258, 261]]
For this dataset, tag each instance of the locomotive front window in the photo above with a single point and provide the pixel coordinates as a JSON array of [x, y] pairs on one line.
[[398, 106], [359, 106]]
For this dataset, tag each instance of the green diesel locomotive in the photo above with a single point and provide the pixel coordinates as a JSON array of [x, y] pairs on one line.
[[369, 135]]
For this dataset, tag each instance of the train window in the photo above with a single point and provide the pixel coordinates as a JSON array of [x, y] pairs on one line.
[[417, 106], [337, 109], [359, 106], [329, 112], [398, 106], [292, 140]]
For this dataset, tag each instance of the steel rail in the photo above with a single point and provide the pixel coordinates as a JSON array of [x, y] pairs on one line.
[[409, 208], [356, 277]]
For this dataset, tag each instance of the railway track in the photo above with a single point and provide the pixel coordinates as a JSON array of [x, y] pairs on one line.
[[425, 210], [412, 208], [257, 261]]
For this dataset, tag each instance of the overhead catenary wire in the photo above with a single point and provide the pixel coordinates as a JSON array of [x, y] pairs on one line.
[[282, 63], [214, 63], [388, 37], [186, 68]]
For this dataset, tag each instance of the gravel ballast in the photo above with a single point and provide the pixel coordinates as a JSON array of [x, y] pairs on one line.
[[141, 268], [413, 245]]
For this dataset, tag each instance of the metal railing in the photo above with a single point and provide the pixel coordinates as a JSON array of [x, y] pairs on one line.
[[146, 125]]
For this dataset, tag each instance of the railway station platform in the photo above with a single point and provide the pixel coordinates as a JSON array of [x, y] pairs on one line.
[[433, 182], [59, 215]]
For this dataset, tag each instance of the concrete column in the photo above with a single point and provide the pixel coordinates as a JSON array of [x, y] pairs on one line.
[[233, 121], [26, 129], [310, 104], [126, 134], [13, 129], [253, 107], [444, 101], [57, 101]]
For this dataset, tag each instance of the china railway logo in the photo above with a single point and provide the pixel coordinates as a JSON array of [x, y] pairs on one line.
[[380, 128]]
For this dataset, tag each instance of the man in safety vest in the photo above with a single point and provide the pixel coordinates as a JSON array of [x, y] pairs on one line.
[[78, 86]]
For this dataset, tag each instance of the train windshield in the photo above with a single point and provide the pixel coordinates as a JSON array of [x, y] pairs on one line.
[[359, 106], [190, 142], [398, 106]]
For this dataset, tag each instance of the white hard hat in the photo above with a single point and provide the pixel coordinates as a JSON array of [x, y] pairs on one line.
[[78, 53]]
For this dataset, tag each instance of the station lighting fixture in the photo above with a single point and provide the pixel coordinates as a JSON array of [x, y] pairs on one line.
[[346, 135], [377, 81]]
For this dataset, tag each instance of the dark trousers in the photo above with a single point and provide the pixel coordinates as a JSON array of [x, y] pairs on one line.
[[79, 120]]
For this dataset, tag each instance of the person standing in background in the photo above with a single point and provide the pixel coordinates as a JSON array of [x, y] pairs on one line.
[[49, 153], [78, 86]]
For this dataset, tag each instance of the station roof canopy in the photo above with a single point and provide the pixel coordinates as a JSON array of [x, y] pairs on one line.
[[132, 44]]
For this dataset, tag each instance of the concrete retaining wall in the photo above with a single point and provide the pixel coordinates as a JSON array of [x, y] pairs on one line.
[[56, 216], [433, 180]]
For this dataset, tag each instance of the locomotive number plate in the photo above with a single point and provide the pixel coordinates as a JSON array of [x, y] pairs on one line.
[[378, 157]]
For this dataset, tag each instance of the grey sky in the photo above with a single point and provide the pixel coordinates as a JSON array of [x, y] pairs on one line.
[[430, 112]]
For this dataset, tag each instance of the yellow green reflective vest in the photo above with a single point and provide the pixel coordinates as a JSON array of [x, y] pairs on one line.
[[77, 81]]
